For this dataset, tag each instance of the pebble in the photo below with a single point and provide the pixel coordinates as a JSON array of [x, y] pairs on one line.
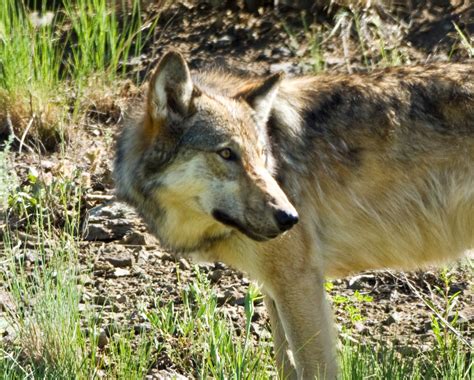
[[361, 281], [102, 266], [216, 275], [121, 298], [110, 221], [224, 41], [120, 272], [6, 328], [142, 328], [231, 297], [286, 67], [120, 261], [103, 340], [138, 238], [361, 329], [184, 264], [392, 318], [7, 302]]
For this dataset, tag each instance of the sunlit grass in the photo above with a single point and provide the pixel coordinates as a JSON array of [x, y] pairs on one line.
[[46, 62]]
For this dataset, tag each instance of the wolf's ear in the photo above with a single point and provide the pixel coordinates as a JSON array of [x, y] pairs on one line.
[[261, 97], [171, 87]]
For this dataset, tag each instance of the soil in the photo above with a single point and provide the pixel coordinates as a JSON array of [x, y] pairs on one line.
[[121, 262]]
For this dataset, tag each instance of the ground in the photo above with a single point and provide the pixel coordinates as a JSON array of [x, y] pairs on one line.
[[124, 274]]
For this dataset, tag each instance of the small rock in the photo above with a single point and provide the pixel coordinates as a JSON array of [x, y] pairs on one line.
[[7, 302], [216, 275], [425, 348], [138, 238], [467, 314], [143, 257], [29, 256], [6, 328], [287, 67], [103, 340], [121, 298], [281, 51], [142, 328], [110, 221], [120, 272], [394, 295], [361, 329], [219, 265], [361, 281], [231, 297], [256, 329], [120, 261], [103, 266], [165, 256], [141, 273], [184, 264], [224, 41], [82, 307], [47, 165], [392, 318]]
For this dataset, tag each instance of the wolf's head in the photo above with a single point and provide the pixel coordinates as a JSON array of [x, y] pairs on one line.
[[198, 165]]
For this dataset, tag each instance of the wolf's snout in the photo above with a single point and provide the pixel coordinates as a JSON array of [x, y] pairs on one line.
[[285, 220]]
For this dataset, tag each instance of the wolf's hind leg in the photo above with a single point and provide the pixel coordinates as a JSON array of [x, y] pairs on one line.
[[285, 366]]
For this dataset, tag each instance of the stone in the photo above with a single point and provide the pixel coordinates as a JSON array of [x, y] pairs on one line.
[[392, 318], [120, 272], [6, 328], [216, 275], [7, 302], [102, 340], [361, 281], [138, 238], [184, 264], [286, 67], [122, 298], [110, 221], [120, 261]]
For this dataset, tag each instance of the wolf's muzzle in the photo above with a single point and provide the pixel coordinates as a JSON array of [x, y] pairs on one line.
[[285, 220]]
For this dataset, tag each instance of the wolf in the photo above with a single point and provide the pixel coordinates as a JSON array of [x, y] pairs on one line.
[[293, 180]]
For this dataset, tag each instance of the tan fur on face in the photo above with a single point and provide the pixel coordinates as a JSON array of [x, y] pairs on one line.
[[379, 167]]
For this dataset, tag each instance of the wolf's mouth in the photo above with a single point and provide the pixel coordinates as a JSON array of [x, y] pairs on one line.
[[226, 219]]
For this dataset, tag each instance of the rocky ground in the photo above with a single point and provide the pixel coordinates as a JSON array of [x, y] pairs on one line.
[[123, 268]]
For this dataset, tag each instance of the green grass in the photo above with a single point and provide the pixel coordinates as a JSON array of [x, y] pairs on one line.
[[46, 69], [205, 339]]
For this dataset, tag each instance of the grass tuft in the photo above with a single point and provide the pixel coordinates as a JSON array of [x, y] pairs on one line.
[[45, 66]]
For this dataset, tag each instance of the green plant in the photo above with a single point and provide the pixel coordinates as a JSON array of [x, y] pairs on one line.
[[352, 305], [466, 42], [203, 337], [45, 67]]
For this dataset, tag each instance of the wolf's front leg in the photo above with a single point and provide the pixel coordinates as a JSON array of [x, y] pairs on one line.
[[285, 366], [307, 321]]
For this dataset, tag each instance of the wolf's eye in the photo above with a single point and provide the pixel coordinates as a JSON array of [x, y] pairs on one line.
[[227, 154]]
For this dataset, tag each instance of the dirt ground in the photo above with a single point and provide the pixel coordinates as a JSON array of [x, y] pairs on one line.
[[121, 262]]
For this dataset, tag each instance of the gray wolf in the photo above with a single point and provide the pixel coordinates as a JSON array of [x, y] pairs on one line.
[[293, 180]]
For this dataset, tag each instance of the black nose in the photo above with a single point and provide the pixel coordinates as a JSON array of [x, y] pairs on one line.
[[285, 220]]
